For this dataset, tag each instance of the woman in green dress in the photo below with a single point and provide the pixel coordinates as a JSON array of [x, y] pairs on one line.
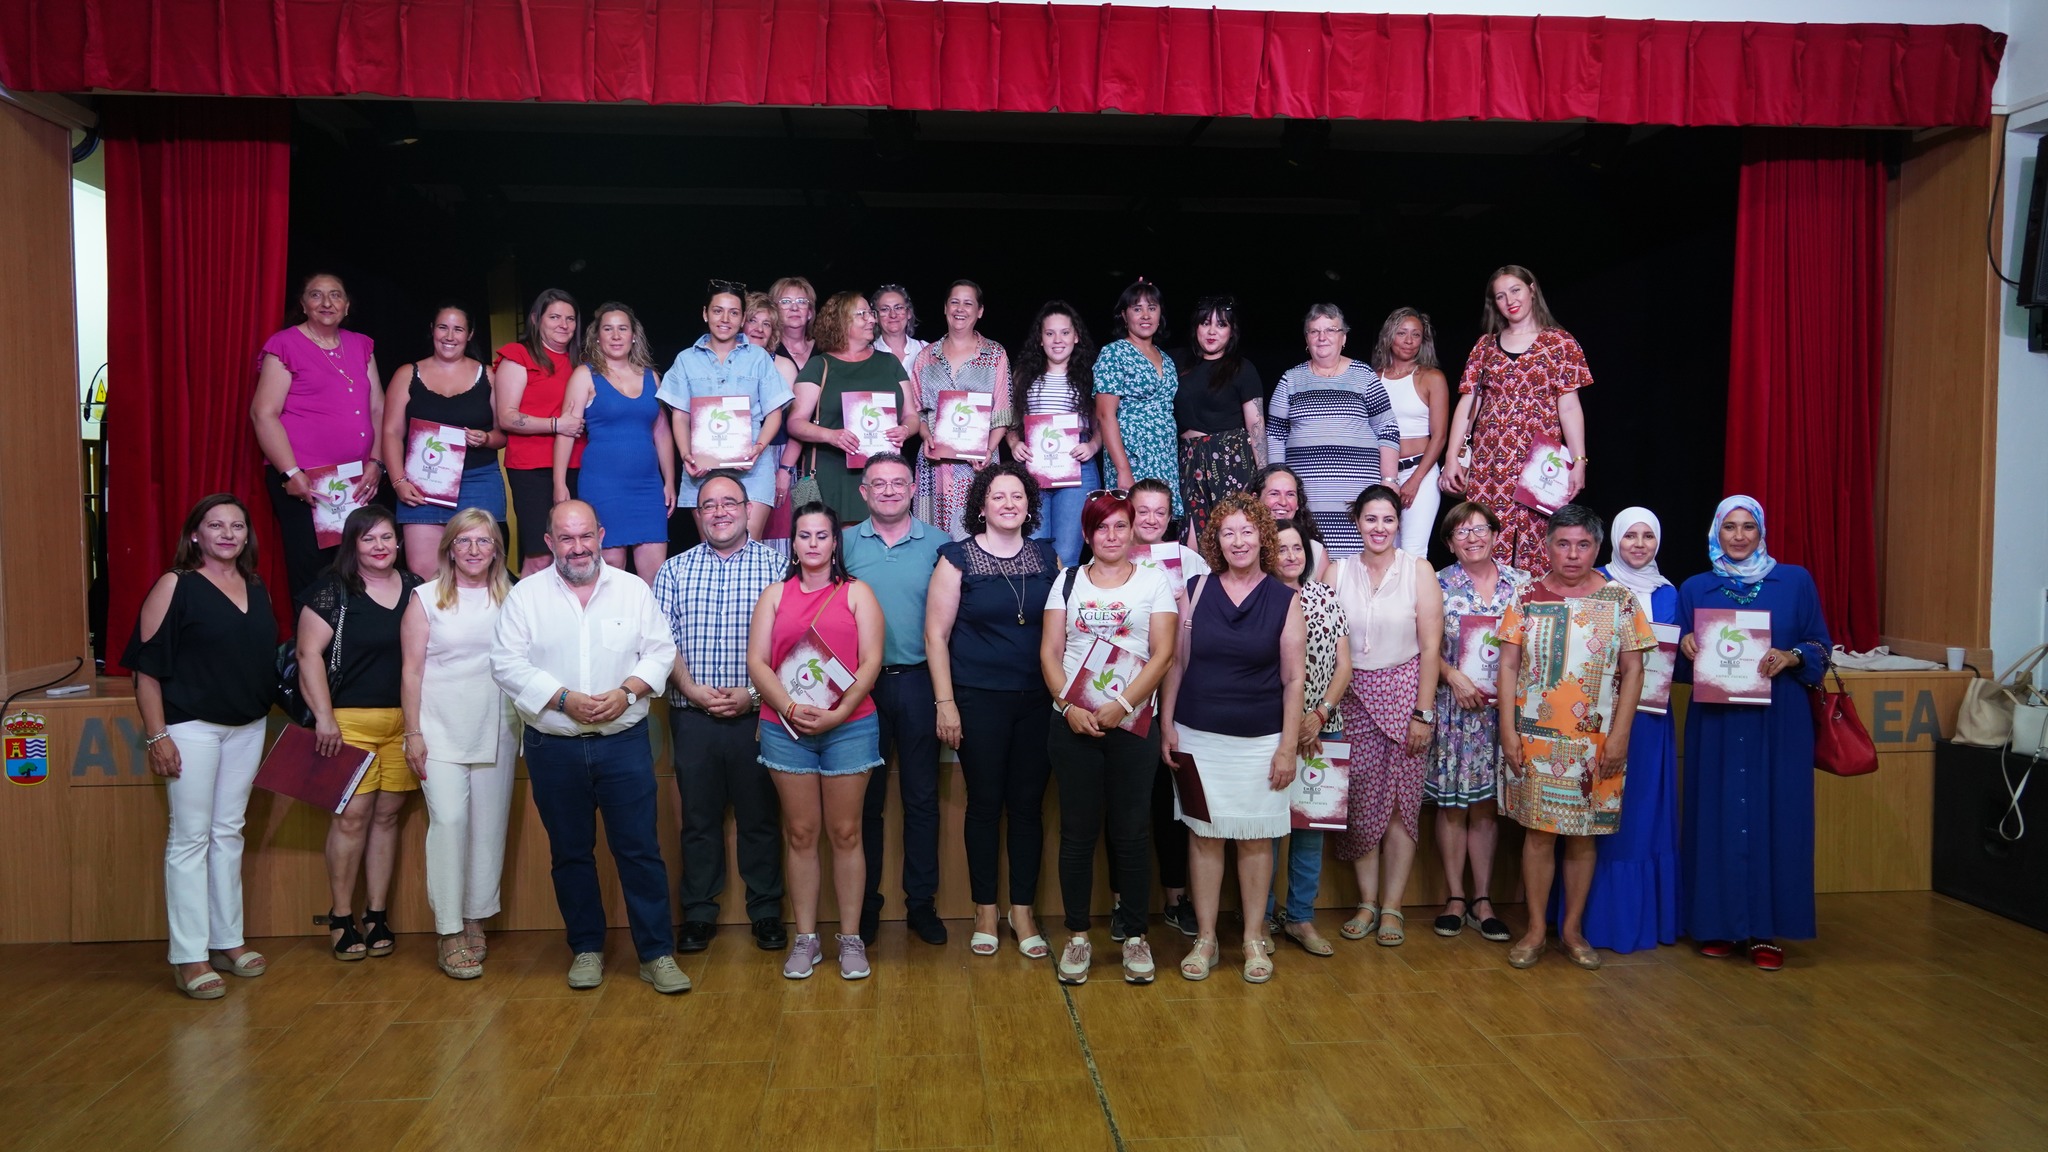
[[847, 361]]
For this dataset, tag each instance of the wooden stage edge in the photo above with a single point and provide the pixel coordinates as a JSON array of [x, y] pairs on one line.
[[81, 854]]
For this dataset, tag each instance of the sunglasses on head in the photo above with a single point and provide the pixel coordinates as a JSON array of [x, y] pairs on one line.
[[735, 287], [1112, 493]]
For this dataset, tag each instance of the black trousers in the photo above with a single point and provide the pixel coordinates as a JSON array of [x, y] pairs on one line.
[[1105, 784], [910, 723], [716, 766], [1169, 836], [299, 544], [1004, 763]]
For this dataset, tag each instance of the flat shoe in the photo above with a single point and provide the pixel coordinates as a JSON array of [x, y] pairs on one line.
[[1768, 957], [1584, 955], [1359, 927], [250, 964], [1450, 923], [983, 944], [1524, 956], [1392, 937], [1717, 949], [1308, 939], [205, 986]]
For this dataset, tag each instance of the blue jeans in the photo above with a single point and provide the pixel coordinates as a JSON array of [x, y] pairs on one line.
[[1059, 513], [1304, 874], [573, 779]]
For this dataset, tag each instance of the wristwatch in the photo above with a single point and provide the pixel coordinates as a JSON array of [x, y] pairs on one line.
[[631, 697], [754, 694], [1059, 707], [1424, 715]]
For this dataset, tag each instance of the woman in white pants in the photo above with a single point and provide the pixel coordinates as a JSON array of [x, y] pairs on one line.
[[459, 734], [1405, 358], [204, 655]]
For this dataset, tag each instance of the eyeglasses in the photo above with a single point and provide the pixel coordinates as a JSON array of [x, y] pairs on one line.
[[886, 485], [726, 505], [735, 287], [863, 314], [468, 544], [1112, 493], [793, 301], [894, 309], [1471, 531]]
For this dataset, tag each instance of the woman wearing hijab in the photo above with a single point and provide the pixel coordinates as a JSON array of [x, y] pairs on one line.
[[1746, 862], [1634, 902]]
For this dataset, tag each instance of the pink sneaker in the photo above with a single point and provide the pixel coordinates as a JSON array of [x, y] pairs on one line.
[[803, 956], [853, 958]]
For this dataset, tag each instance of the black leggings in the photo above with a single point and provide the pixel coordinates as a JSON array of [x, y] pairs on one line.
[[1105, 781], [1169, 835], [1003, 762]]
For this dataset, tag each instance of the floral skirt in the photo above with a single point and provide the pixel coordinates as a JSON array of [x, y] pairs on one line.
[[1211, 468]]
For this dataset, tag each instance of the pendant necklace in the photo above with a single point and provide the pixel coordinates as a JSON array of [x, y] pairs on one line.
[[1743, 597]]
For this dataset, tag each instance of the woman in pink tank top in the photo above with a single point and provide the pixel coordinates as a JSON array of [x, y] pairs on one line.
[[814, 652]]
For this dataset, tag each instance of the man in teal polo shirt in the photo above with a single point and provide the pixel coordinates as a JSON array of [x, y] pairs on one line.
[[895, 552]]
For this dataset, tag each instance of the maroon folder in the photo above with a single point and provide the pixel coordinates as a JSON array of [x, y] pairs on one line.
[[1187, 782], [295, 768]]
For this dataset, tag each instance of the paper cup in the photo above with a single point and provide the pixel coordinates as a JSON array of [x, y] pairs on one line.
[[1955, 659]]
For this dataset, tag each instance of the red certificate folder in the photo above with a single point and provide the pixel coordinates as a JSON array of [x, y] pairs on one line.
[[1053, 439], [1166, 558], [1322, 788], [1105, 671], [1479, 651], [331, 487], [433, 460], [812, 674], [1187, 785], [1657, 667], [295, 768], [960, 423], [1546, 476], [721, 430], [1732, 643], [869, 415]]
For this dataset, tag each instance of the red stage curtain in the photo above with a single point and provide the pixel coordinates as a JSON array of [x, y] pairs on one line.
[[198, 194], [980, 57], [1806, 363]]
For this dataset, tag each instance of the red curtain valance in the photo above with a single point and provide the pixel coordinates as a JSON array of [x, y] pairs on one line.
[[916, 54]]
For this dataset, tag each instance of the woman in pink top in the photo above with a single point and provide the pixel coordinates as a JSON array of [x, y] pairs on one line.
[[318, 404], [814, 652], [1395, 612]]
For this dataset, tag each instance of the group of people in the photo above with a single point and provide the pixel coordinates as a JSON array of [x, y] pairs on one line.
[[1171, 647]]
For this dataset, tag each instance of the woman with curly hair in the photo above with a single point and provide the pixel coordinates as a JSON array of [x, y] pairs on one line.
[[846, 361], [985, 606], [1244, 689]]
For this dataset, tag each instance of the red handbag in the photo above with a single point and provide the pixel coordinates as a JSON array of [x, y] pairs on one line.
[[1841, 744]]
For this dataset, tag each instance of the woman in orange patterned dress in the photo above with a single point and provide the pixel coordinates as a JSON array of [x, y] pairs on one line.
[[1571, 669], [1521, 380]]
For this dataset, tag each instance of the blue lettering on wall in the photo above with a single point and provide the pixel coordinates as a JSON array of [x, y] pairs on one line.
[[1885, 717], [98, 748]]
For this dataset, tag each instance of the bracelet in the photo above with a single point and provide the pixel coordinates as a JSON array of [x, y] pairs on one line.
[[1125, 704], [150, 741], [947, 700], [562, 700], [1581, 459], [410, 735], [291, 472]]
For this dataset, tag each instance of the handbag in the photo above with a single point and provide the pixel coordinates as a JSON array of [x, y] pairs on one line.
[[290, 700], [1987, 714], [1841, 744], [805, 490]]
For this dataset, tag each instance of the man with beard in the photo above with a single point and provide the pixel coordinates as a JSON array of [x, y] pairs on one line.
[[579, 649], [707, 596]]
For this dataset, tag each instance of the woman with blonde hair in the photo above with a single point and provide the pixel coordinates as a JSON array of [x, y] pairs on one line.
[[1405, 358], [629, 470], [791, 303], [460, 733]]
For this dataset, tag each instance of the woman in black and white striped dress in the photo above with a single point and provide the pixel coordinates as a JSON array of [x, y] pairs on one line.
[[1330, 421]]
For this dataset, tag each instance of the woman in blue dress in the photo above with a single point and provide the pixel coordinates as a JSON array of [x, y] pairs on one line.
[[1634, 902], [629, 460], [1746, 845]]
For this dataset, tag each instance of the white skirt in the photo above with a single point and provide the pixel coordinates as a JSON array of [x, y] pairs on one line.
[[1235, 772]]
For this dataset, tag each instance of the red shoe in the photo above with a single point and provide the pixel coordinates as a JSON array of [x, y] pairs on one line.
[[1768, 957], [1717, 949]]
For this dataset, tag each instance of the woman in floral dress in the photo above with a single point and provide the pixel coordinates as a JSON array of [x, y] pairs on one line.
[[1135, 387], [963, 360], [1571, 645], [1460, 779], [1522, 379]]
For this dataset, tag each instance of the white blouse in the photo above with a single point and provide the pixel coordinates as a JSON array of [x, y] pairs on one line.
[[464, 718]]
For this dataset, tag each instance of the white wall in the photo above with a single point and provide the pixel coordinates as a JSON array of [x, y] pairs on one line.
[[2019, 555], [89, 262]]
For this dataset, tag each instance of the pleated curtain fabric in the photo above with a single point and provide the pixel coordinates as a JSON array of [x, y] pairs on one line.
[[1806, 360], [198, 200]]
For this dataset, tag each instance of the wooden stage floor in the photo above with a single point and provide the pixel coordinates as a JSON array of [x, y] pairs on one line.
[[1914, 1022]]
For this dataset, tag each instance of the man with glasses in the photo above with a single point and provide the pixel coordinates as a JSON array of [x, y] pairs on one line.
[[894, 552], [708, 595]]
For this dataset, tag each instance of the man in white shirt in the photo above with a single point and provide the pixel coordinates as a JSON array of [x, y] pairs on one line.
[[579, 649]]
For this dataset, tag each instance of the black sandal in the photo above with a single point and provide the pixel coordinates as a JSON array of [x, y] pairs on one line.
[[377, 933], [350, 946], [1451, 923], [1492, 927]]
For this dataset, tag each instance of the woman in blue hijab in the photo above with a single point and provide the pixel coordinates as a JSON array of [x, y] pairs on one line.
[[1746, 840]]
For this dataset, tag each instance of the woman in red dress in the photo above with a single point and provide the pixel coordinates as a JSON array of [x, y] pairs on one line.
[[1523, 379]]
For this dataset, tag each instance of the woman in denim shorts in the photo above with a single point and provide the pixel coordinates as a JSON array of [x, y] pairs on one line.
[[814, 652]]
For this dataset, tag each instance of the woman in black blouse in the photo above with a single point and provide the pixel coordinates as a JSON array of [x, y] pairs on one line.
[[985, 605], [350, 666], [204, 656], [1220, 410]]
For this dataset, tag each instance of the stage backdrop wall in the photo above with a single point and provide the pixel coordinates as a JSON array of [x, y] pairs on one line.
[[1016, 57]]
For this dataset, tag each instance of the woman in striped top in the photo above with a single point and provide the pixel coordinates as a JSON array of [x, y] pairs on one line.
[[1056, 364], [1330, 421]]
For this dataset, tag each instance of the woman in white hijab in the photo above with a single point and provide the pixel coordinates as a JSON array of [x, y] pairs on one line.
[[1634, 902]]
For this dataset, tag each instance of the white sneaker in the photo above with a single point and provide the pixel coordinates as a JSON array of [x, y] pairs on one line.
[[664, 975], [587, 970], [1075, 959], [1138, 965]]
